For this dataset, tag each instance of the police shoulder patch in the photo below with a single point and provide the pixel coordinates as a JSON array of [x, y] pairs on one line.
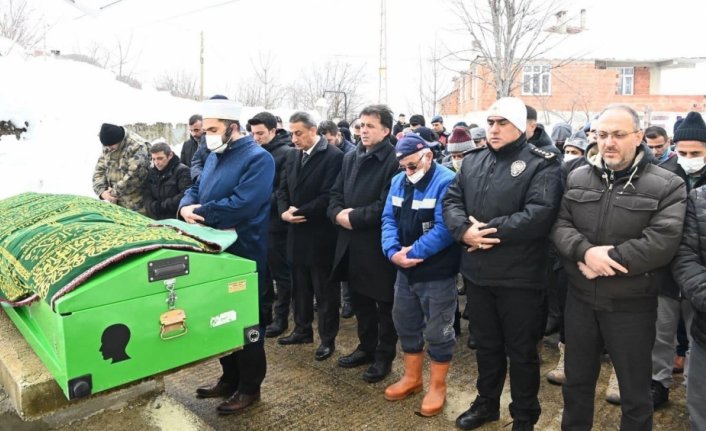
[[548, 155]]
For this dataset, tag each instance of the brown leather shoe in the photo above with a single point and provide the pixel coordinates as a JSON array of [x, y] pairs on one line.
[[220, 389], [237, 403]]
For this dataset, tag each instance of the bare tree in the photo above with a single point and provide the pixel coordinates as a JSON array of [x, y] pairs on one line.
[[17, 24], [434, 82], [336, 78], [507, 34], [262, 88], [179, 84]]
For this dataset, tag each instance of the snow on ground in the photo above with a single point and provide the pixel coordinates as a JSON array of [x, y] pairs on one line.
[[65, 102]]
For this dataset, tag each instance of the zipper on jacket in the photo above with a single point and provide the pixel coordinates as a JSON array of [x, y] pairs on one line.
[[602, 216], [484, 190]]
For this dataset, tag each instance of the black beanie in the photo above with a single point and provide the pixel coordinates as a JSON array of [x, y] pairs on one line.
[[111, 134], [692, 128]]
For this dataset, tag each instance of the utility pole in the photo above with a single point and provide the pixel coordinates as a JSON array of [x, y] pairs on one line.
[[201, 59], [382, 71]]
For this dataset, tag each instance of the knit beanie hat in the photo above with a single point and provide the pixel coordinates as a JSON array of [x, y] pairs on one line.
[[512, 109], [111, 134], [577, 140], [561, 132], [459, 141], [426, 133], [692, 128], [409, 144], [417, 119]]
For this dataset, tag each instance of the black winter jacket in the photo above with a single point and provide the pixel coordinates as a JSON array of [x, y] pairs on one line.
[[640, 213], [517, 190], [188, 150], [279, 147], [363, 184], [689, 265], [164, 189], [543, 141]]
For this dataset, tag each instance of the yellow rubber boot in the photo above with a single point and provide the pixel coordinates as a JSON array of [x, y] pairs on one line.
[[433, 402], [411, 381]]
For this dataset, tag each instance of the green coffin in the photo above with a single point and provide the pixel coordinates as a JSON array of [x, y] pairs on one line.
[[105, 297]]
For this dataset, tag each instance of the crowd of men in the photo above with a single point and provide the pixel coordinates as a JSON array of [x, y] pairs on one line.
[[598, 233]]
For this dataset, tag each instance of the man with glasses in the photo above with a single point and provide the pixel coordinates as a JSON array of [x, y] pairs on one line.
[[658, 141], [500, 208], [416, 240], [619, 226], [192, 144]]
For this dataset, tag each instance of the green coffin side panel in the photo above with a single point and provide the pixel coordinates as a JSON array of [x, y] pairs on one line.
[[107, 332]]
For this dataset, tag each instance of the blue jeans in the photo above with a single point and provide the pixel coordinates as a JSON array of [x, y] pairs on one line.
[[424, 312]]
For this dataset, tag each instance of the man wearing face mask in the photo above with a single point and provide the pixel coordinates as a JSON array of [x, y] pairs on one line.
[[416, 240], [690, 138], [460, 142], [233, 192]]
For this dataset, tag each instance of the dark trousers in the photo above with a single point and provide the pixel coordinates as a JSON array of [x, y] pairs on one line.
[[562, 284], [508, 322], [628, 336], [277, 277], [309, 282], [376, 330], [246, 368]]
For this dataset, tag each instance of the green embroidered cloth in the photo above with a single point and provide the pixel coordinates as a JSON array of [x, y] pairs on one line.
[[50, 244]]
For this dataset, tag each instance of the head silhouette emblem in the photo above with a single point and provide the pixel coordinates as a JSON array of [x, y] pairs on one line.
[[114, 342]]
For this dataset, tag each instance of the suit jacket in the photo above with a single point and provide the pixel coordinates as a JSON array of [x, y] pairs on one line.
[[307, 188]]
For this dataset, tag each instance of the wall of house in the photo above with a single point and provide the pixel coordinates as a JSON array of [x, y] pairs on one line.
[[577, 87]]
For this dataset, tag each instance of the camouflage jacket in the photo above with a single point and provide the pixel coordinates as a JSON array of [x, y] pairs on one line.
[[124, 171]]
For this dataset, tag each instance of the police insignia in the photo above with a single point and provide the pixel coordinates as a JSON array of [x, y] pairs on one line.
[[518, 167]]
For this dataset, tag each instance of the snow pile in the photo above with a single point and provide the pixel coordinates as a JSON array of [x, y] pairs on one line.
[[64, 103]]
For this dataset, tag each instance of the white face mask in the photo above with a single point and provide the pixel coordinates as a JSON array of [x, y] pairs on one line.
[[456, 163], [415, 177], [215, 143], [691, 166], [570, 157]]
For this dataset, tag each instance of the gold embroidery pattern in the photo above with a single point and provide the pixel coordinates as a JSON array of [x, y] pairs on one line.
[[48, 240]]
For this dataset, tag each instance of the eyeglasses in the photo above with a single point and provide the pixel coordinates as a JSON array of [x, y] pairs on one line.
[[412, 166], [501, 122], [616, 134]]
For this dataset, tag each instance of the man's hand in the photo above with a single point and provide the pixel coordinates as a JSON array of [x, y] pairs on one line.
[[598, 261], [475, 236], [187, 213], [400, 258], [586, 271], [108, 196], [289, 216], [343, 219]]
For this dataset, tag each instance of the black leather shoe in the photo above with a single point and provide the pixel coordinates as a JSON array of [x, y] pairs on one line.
[[296, 338], [347, 310], [479, 413], [355, 359], [660, 394], [276, 328], [552, 326], [237, 403], [324, 351], [376, 372], [220, 389], [471, 343]]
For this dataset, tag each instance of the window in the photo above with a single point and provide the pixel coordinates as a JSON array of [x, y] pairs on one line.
[[537, 79], [626, 81]]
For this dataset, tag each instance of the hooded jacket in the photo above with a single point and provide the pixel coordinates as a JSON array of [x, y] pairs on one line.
[[639, 211]]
